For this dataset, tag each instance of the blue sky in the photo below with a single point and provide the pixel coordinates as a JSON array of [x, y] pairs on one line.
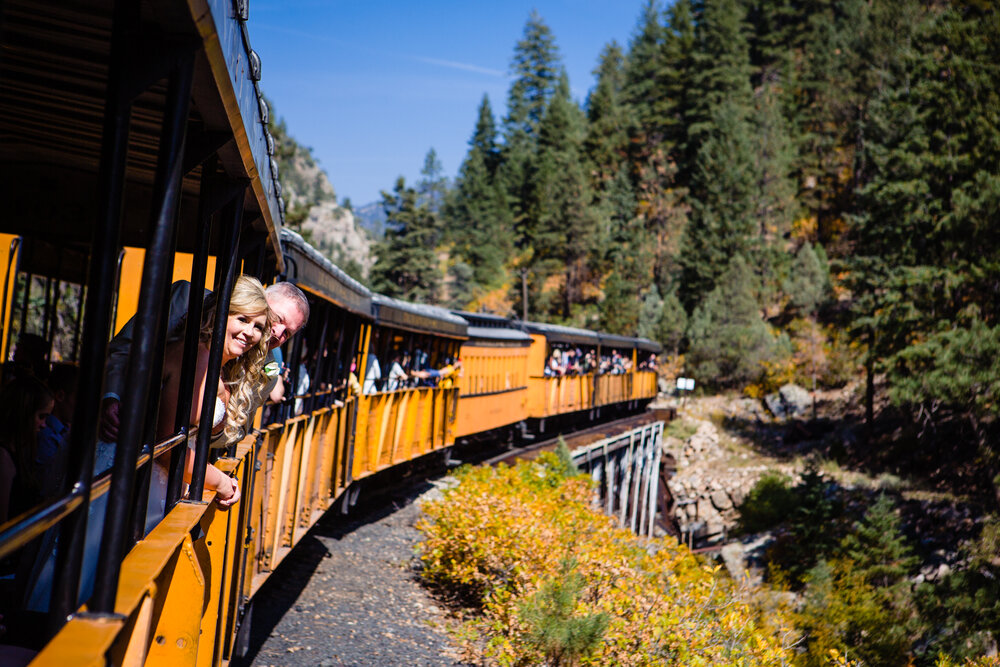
[[371, 85]]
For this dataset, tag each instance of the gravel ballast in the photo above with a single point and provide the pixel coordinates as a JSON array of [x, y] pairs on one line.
[[348, 595]]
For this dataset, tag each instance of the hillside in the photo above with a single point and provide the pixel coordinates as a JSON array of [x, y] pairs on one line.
[[311, 206]]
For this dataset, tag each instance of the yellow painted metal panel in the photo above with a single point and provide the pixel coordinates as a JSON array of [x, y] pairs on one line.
[[177, 630], [211, 553], [135, 650], [82, 642], [283, 444], [131, 279], [490, 411]]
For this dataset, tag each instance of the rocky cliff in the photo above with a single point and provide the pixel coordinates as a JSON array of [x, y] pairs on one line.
[[311, 207]]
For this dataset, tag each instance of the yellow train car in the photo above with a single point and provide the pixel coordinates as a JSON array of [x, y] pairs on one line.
[[303, 451], [574, 370], [558, 387], [493, 388], [107, 148], [646, 384]]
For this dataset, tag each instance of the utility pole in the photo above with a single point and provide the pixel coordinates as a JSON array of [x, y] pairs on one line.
[[524, 295]]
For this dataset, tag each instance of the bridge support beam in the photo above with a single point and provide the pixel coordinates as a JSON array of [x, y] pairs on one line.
[[626, 469]]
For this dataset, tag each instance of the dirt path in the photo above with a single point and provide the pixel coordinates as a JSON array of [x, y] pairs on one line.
[[348, 596]]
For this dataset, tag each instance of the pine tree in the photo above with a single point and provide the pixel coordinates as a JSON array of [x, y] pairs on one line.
[[406, 264], [432, 187], [878, 549], [630, 261], [650, 311], [721, 68], [809, 280], [561, 222], [535, 68], [930, 200], [663, 320], [658, 76], [561, 635], [722, 223], [607, 138], [861, 603], [774, 155], [643, 71], [728, 337], [721, 151], [676, 75], [478, 220]]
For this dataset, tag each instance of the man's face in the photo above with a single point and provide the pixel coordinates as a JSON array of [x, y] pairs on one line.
[[288, 319]]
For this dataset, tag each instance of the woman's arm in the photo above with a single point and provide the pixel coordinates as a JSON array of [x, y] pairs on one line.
[[226, 487]]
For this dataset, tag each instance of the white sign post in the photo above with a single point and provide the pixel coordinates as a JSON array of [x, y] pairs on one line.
[[684, 384]]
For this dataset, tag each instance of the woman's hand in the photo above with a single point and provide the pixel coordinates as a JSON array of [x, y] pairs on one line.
[[227, 492]]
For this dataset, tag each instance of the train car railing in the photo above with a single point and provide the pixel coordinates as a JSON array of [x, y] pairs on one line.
[[397, 426], [644, 385], [175, 599], [290, 474], [304, 465], [559, 395], [612, 389]]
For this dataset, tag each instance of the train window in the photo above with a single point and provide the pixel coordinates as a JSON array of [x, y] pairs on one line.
[[48, 310]]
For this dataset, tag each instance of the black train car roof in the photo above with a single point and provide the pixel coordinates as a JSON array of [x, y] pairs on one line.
[[307, 267], [556, 333], [418, 317], [53, 82], [493, 329], [647, 345], [621, 342]]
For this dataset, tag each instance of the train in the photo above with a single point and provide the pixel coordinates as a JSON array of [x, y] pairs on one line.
[[136, 153]]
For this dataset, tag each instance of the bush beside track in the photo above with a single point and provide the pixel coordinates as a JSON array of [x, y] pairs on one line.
[[546, 579]]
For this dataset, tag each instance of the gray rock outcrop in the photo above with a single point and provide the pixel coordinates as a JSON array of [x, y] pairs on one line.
[[789, 401]]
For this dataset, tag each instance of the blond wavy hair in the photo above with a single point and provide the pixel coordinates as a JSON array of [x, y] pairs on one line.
[[244, 376]]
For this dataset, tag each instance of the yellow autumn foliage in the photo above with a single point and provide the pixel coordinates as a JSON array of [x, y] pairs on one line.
[[505, 534]]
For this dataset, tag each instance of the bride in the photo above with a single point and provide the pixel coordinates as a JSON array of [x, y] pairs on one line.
[[244, 350]]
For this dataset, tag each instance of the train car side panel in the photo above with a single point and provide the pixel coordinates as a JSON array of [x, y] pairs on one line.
[[493, 388]]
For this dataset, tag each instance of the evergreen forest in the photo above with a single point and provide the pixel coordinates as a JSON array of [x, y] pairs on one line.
[[775, 190]]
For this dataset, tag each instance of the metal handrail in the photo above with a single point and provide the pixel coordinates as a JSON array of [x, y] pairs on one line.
[[21, 530]]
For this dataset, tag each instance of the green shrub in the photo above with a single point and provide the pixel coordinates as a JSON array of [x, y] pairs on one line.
[[770, 501], [554, 628], [962, 610], [814, 527]]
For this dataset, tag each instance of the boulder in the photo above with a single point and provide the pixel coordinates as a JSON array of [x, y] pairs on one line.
[[747, 408], [721, 501], [790, 400]]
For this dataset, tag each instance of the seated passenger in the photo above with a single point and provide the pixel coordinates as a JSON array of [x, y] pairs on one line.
[[373, 375], [28, 359], [397, 373], [54, 436], [25, 404], [353, 385], [554, 367]]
